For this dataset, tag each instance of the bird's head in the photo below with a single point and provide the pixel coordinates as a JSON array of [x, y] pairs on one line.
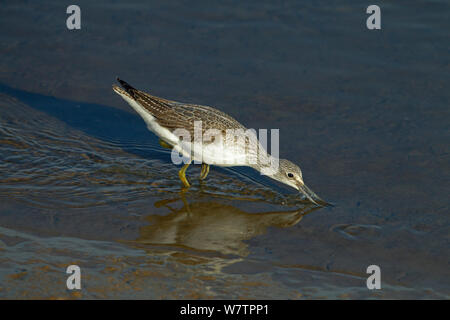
[[290, 174]]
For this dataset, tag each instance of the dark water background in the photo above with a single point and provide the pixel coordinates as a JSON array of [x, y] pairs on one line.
[[364, 113]]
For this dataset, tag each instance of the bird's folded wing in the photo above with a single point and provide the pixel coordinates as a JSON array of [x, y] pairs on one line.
[[174, 115]]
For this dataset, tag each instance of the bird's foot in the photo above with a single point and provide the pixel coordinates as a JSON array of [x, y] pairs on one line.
[[205, 171], [164, 144], [182, 175]]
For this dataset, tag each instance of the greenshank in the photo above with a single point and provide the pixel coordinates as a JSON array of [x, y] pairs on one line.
[[163, 117]]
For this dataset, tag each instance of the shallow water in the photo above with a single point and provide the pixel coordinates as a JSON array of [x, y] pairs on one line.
[[364, 113]]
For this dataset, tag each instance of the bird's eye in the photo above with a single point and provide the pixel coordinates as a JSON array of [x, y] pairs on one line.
[[290, 175]]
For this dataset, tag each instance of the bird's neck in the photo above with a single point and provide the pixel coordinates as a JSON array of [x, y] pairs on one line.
[[267, 165]]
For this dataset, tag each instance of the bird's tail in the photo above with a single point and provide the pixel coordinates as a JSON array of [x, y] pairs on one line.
[[125, 85]]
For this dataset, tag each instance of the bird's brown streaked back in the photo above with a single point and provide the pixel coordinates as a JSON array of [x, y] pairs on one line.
[[173, 115]]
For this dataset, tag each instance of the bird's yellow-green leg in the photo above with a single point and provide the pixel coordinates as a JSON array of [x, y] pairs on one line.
[[164, 144], [182, 175], [205, 171]]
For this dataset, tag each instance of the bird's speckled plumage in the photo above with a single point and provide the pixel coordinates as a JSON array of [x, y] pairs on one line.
[[173, 115]]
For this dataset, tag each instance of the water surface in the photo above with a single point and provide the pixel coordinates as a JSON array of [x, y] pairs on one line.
[[364, 113]]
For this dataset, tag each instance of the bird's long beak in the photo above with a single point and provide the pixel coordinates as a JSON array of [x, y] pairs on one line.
[[311, 195]]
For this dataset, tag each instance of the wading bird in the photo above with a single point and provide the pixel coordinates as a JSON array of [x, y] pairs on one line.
[[163, 117]]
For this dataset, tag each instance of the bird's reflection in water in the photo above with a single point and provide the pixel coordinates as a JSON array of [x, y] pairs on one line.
[[212, 226]]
